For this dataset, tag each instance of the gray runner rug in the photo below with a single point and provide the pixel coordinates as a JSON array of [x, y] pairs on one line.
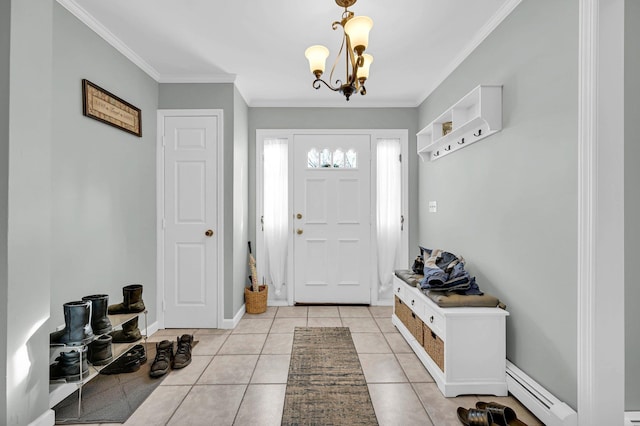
[[326, 385]]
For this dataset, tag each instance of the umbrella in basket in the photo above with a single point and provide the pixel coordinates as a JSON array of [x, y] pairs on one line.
[[254, 272], [255, 297]]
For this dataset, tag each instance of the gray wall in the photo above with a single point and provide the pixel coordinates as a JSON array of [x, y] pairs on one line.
[[240, 197], [214, 96], [632, 203], [28, 204], [5, 41], [337, 118], [103, 179], [508, 203]]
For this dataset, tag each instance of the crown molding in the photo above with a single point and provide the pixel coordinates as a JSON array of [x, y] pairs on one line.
[[84, 17], [197, 78], [336, 103], [487, 29]]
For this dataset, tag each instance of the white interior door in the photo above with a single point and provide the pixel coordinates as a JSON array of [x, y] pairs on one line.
[[332, 218], [190, 212]]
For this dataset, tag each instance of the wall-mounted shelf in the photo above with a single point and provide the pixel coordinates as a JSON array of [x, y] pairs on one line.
[[474, 117]]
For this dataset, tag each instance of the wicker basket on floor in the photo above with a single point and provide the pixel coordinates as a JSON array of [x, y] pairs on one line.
[[256, 301]]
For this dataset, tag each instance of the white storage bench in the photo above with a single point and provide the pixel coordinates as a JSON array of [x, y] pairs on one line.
[[464, 349]]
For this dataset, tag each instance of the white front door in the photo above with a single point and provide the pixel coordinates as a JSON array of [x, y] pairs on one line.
[[332, 218], [190, 212]]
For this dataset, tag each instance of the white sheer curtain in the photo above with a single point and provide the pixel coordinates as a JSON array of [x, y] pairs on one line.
[[276, 210], [389, 208]]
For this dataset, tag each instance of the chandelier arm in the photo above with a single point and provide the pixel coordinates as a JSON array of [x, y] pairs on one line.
[[316, 85], [333, 68], [353, 61]]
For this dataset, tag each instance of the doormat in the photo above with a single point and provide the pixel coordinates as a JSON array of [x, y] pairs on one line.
[[326, 385], [111, 398]]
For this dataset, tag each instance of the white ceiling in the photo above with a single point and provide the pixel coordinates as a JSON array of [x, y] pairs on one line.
[[260, 44]]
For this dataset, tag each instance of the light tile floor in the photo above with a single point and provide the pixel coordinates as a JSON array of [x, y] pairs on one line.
[[238, 377]]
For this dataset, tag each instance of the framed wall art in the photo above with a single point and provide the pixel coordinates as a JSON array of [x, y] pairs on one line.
[[104, 106]]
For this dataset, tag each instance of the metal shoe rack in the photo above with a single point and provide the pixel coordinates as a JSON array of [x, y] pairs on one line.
[[61, 388]]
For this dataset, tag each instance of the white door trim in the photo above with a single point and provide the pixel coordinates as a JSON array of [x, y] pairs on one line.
[[375, 134], [600, 295], [161, 114]]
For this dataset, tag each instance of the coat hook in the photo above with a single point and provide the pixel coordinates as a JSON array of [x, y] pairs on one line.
[[478, 134], [448, 148], [461, 142], [436, 154]]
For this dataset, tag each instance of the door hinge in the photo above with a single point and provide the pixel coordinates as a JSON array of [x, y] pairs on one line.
[[163, 140], [400, 158], [402, 222], [262, 222]]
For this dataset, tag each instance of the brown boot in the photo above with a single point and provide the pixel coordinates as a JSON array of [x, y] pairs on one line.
[[129, 333], [132, 301]]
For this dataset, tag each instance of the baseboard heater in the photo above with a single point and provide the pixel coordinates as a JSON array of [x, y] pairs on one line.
[[546, 407], [632, 418]]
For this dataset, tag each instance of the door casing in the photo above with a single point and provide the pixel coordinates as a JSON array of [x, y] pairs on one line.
[[375, 135], [160, 187]]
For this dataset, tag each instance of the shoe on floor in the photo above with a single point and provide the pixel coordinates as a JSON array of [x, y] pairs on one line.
[[163, 360], [183, 352], [474, 417]]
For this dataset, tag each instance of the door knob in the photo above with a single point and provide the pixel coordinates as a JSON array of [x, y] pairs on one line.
[[299, 216], [209, 232], [299, 231]]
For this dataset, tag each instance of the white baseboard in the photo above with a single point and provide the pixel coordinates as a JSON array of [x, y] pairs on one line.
[[278, 302], [632, 418], [47, 418], [232, 323], [152, 328], [546, 407]]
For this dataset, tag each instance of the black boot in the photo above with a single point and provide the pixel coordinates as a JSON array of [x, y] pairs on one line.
[[99, 321], [129, 362], [132, 301], [129, 333], [183, 352], [100, 350], [67, 366], [77, 329], [163, 360]]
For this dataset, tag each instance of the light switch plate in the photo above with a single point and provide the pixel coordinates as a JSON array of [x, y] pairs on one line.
[[433, 206]]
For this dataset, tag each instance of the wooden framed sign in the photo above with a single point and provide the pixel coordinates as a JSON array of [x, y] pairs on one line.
[[103, 106]]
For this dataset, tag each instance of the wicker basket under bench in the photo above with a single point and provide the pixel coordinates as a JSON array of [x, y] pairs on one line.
[[464, 349]]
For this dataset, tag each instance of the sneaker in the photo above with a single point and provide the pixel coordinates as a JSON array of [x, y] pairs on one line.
[[163, 360], [183, 353]]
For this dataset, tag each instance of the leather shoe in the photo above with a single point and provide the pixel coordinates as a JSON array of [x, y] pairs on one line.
[[129, 362]]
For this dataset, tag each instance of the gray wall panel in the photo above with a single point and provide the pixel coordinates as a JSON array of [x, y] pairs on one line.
[[104, 179], [5, 39], [29, 205], [632, 203], [240, 199], [508, 203]]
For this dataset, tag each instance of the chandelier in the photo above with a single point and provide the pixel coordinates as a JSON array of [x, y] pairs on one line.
[[355, 39]]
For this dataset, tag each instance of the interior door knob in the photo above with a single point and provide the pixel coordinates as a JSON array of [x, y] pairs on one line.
[[209, 233], [299, 216], [299, 231]]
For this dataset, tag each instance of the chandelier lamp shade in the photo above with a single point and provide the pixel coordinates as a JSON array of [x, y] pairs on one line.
[[355, 40]]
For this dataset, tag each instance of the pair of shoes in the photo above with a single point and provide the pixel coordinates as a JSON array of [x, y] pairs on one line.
[[129, 362], [165, 358], [487, 414]]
